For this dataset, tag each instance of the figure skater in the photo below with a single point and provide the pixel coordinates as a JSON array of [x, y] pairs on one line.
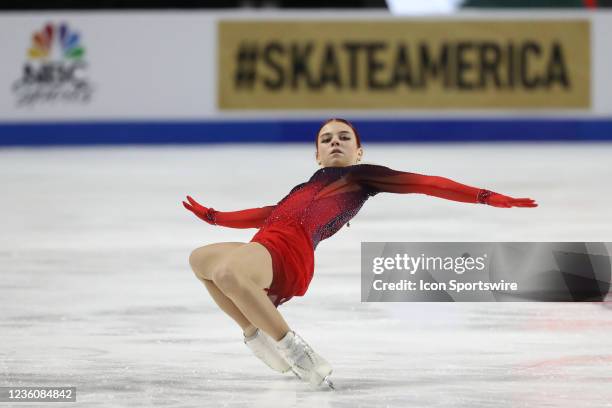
[[248, 281]]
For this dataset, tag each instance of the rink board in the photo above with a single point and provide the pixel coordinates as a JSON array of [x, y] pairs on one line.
[[121, 78]]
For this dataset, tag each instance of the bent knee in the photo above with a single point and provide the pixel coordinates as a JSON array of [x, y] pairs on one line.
[[197, 261], [227, 279], [194, 258]]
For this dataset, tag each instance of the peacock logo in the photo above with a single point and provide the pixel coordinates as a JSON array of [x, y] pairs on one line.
[[55, 70], [69, 42]]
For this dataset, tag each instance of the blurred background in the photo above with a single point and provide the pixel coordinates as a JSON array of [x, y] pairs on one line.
[[121, 72], [112, 111], [392, 5]]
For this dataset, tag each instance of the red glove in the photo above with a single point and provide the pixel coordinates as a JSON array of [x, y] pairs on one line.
[[249, 218], [502, 201], [203, 213]]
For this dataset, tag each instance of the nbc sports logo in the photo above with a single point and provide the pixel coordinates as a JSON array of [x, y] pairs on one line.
[[69, 42], [55, 69]]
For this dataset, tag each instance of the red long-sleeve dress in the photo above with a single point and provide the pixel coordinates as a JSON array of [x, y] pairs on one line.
[[317, 209]]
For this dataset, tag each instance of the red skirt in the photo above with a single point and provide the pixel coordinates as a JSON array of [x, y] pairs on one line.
[[292, 259]]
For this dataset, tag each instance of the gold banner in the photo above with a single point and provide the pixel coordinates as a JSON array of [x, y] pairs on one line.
[[403, 64]]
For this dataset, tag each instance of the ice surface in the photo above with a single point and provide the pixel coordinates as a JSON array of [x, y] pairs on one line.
[[96, 291]]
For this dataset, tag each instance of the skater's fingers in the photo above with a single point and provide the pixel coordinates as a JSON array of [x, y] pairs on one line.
[[187, 206], [526, 205], [195, 203], [524, 200], [521, 201]]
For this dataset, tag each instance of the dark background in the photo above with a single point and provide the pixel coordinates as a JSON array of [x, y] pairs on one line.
[[287, 4]]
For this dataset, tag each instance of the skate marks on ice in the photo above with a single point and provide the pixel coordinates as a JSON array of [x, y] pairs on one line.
[[96, 291]]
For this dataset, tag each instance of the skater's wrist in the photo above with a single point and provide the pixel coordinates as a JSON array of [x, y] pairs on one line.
[[483, 196], [211, 216]]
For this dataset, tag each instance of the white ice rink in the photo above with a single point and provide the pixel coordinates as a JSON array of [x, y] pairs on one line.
[[96, 291]]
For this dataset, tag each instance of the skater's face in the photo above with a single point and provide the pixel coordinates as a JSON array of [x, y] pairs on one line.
[[337, 146]]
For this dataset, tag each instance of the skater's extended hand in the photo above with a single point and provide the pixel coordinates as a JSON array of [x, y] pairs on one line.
[[203, 213], [502, 201]]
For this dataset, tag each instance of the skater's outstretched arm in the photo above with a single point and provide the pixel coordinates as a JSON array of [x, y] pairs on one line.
[[384, 179], [250, 218]]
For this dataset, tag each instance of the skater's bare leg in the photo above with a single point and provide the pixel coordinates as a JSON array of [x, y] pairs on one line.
[[229, 308], [242, 278], [203, 260]]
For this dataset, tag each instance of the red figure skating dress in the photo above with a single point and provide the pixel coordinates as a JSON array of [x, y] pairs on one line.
[[317, 209]]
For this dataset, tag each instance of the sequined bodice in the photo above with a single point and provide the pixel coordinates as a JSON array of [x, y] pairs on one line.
[[323, 204]]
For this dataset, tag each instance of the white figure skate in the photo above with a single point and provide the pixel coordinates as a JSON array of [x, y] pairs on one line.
[[305, 363], [265, 349]]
